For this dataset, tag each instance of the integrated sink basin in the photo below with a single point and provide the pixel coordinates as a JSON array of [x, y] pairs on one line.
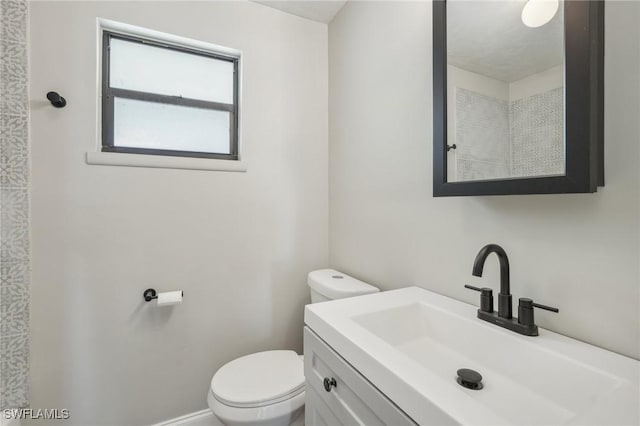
[[411, 342]]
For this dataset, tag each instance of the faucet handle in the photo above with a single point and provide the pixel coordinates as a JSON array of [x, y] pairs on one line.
[[525, 310], [545, 307], [486, 297]]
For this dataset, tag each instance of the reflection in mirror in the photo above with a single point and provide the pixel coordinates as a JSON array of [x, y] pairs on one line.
[[505, 89]]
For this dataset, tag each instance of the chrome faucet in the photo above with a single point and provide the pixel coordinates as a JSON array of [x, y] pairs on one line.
[[524, 324]]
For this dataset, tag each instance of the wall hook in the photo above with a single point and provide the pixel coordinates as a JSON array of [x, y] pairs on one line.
[[56, 100], [450, 147]]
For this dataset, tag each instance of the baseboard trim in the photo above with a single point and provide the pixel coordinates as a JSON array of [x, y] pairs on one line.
[[187, 419]]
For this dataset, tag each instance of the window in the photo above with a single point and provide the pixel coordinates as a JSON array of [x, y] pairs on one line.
[[167, 99]]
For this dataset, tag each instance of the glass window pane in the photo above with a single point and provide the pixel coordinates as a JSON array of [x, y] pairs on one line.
[[145, 68], [140, 124]]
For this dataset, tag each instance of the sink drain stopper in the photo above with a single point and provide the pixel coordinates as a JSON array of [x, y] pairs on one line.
[[469, 379]]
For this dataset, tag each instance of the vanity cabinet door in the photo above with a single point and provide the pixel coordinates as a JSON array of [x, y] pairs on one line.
[[316, 412], [351, 398]]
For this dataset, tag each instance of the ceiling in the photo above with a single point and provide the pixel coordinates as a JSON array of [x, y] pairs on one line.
[[489, 38], [320, 11], [483, 36]]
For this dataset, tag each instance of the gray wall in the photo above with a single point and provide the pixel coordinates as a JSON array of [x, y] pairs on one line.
[[238, 244], [577, 252], [14, 206]]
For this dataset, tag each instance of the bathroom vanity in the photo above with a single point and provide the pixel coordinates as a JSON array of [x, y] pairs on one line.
[[393, 358], [337, 394]]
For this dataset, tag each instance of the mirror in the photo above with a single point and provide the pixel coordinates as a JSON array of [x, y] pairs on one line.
[[505, 92], [509, 86]]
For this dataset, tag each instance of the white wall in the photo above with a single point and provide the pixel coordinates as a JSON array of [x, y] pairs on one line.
[[458, 77], [577, 252], [238, 244], [537, 83], [528, 86]]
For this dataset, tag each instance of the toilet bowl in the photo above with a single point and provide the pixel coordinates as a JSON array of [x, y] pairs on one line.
[[267, 388]]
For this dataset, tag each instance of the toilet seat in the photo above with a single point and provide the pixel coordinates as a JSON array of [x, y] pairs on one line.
[[259, 379], [289, 412]]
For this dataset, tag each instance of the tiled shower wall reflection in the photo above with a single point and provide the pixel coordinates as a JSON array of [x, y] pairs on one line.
[[498, 139], [14, 206], [537, 134], [482, 136]]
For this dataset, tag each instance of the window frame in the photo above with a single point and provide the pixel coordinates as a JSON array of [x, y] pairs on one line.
[[110, 93]]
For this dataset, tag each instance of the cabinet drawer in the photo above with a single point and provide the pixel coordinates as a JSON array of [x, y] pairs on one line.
[[353, 400]]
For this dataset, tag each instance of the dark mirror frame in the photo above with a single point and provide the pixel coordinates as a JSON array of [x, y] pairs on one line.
[[584, 110]]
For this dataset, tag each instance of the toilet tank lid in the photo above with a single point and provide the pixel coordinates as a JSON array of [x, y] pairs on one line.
[[337, 285]]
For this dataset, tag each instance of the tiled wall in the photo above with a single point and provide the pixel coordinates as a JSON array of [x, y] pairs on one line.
[[497, 139], [537, 145], [14, 206], [482, 136]]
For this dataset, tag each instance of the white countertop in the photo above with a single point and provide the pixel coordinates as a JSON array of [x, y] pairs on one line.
[[410, 342]]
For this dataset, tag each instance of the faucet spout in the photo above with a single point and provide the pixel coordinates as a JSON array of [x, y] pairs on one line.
[[504, 297]]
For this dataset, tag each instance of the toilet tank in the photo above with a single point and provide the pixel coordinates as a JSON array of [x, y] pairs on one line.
[[329, 284]]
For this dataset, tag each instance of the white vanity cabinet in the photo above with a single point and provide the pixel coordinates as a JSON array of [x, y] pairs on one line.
[[347, 398]]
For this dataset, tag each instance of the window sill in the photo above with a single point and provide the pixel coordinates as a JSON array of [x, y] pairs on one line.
[[164, 162]]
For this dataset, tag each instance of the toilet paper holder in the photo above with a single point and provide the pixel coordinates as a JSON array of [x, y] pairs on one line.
[[151, 293]]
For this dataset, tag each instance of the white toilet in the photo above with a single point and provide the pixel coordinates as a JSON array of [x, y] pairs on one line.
[[267, 388]]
